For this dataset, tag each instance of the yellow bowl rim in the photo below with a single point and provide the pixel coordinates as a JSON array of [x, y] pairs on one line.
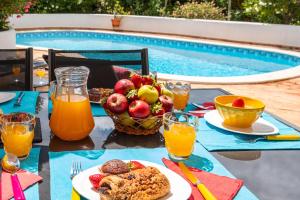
[[237, 108]]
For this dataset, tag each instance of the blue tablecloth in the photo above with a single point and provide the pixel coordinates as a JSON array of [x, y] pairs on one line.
[[97, 110], [214, 139], [31, 164], [28, 103], [61, 162]]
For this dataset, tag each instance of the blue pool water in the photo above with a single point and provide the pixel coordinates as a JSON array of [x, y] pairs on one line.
[[169, 56]]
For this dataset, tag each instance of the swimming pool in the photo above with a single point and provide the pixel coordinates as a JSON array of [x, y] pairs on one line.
[[168, 56]]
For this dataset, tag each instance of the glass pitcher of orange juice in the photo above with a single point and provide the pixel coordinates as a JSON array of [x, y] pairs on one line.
[[71, 117]]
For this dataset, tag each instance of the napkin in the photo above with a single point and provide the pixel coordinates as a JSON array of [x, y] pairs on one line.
[[211, 106], [26, 179], [224, 188]]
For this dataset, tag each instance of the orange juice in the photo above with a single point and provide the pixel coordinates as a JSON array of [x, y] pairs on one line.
[[16, 70], [180, 139], [40, 72], [180, 100], [17, 139], [71, 118]]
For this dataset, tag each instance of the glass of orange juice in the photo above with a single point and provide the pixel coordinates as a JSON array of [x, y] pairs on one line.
[[41, 73], [179, 134], [181, 91], [17, 132]]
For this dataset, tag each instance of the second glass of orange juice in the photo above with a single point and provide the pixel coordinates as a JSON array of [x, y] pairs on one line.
[[181, 91], [17, 132], [179, 134]]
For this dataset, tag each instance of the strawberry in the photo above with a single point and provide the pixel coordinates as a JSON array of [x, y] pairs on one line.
[[95, 180], [132, 95], [158, 87], [157, 109], [147, 80], [239, 102], [137, 80], [133, 165]]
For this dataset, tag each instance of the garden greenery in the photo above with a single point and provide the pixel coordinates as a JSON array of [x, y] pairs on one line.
[[269, 11], [9, 7]]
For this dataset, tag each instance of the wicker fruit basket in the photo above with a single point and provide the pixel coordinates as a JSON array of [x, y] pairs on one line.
[[134, 126], [129, 125]]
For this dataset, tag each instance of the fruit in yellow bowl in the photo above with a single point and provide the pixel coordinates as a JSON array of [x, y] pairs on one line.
[[239, 111]]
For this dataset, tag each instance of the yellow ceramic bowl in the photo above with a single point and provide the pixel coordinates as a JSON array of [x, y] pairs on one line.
[[239, 117]]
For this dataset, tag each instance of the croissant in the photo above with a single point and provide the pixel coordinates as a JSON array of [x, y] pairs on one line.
[[141, 184]]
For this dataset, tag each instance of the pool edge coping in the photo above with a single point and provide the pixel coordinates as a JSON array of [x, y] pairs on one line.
[[279, 75]]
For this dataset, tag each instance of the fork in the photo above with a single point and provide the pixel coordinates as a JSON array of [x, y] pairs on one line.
[[20, 97], [75, 169]]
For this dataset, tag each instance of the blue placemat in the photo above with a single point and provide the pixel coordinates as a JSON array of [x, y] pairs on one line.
[[60, 164], [214, 139], [31, 164], [97, 110], [28, 103]]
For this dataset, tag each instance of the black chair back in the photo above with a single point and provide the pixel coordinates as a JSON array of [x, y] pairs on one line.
[[16, 67], [107, 66]]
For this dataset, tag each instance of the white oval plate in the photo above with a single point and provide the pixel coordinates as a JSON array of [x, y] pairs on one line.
[[180, 188], [6, 96], [95, 102], [260, 127]]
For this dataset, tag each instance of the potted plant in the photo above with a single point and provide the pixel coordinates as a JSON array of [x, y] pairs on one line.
[[8, 8], [118, 11], [116, 21]]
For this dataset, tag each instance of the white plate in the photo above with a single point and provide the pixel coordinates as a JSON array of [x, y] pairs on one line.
[[180, 189], [6, 96], [260, 127], [95, 102]]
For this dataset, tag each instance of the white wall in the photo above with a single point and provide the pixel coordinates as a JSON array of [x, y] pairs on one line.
[[8, 39], [284, 35]]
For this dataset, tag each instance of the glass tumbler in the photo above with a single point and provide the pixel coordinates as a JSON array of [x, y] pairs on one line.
[[181, 91], [179, 134], [17, 133]]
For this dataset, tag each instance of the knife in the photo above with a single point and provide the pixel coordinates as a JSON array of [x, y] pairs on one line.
[[283, 137], [195, 181], [20, 97]]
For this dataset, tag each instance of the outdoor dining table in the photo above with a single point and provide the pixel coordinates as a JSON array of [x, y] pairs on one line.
[[272, 174]]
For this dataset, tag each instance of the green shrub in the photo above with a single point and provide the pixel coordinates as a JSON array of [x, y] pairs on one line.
[[194, 10], [273, 11], [65, 6]]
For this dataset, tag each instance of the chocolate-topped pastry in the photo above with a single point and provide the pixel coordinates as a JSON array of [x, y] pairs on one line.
[[94, 94], [115, 167]]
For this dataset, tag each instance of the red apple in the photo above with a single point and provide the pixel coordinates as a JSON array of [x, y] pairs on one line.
[[137, 80], [123, 86], [117, 103], [167, 102], [239, 102], [139, 109]]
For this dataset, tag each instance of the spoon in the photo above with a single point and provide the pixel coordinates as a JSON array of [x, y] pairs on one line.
[[11, 164]]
